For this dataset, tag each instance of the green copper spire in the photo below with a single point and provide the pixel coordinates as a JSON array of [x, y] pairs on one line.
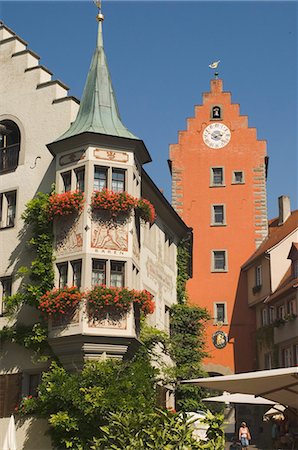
[[98, 112]]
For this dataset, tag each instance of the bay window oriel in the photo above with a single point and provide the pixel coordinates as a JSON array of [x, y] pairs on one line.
[[110, 178]]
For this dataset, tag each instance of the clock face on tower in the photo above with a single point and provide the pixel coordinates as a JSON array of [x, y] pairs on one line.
[[216, 135]]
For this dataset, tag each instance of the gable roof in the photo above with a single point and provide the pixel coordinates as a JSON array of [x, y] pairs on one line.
[[276, 233]]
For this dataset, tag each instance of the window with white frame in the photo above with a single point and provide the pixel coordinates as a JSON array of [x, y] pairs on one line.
[[118, 180], [217, 176], [62, 274], [220, 312], [73, 179], [287, 357], [218, 215], [66, 179], [80, 179], [271, 314], [258, 276], [5, 291], [291, 306], [98, 272], [219, 261], [8, 209], [30, 384], [76, 273], [100, 178], [238, 177], [117, 274], [264, 317], [281, 311]]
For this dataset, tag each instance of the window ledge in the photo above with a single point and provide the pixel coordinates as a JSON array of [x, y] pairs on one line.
[[217, 185], [218, 225], [219, 270], [7, 227], [238, 182]]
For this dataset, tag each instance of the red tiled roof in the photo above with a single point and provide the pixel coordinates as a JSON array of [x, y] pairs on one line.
[[275, 235], [283, 289]]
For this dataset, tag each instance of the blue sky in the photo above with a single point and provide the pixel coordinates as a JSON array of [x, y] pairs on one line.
[[158, 54]]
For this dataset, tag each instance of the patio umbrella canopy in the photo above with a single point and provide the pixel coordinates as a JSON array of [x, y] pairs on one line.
[[278, 385], [249, 399]]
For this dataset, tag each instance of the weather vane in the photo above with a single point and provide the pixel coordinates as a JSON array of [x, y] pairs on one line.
[[214, 65], [100, 16]]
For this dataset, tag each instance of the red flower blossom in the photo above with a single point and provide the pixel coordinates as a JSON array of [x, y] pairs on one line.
[[115, 202], [60, 301], [65, 203], [146, 210], [120, 299]]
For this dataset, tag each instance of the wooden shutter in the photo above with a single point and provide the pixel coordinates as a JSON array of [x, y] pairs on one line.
[[10, 393]]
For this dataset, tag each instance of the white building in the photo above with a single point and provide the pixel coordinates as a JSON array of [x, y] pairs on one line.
[[47, 137]]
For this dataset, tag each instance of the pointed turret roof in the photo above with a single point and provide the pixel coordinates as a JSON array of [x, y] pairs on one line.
[[98, 112]]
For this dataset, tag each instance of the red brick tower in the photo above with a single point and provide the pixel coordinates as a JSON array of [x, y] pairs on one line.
[[219, 189]]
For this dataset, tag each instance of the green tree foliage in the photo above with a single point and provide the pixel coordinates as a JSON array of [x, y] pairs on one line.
[[182, 273], [77, 404], [33, 337], [187, 343], [215, 432], [39, 275], [158, 430]]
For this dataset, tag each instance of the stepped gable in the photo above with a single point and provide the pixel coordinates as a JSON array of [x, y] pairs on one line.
[[28, 62]]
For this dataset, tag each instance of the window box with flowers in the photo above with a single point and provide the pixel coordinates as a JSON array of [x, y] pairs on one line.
[[122, 202], [65, 204], [113, 202], [117, 302], [60, 305]]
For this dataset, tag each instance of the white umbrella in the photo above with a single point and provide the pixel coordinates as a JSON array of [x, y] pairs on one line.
[[278, 385], [249, 399], [10, 440], [276, 412]]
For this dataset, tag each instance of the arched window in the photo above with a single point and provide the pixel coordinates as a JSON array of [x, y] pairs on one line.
[[216, 112], [9, 146]]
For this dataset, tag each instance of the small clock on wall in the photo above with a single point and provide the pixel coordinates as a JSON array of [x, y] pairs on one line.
[[216, 135]]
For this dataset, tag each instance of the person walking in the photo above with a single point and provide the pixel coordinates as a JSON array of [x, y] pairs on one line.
[[244, 436]]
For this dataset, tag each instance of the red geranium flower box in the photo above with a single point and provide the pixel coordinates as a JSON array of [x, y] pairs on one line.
[[60, 301], [65, 203], [115, 202]]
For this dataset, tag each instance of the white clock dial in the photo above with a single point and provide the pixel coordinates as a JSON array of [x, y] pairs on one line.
[[216, 135]]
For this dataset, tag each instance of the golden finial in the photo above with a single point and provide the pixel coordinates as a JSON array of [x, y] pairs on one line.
[[100, 16]]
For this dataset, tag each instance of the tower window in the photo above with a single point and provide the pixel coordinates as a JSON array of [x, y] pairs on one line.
[[8, 209], [63, 272], [9, 146], [216, 112], [76, 273], [98, 272], [238, 177], [118, 180], [100, 178], [218, 215], [66, 178], [117, 274], [80, 179], [219, 261], [217, 176], [220, 313]]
